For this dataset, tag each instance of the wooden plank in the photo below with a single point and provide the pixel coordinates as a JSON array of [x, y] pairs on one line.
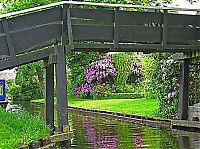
[[133, 18], [64, 25], [49, 96], [185, 141], [183, 20], [1, 29], [183, 90], [35, 37], [94, 4], [98, 16], [140, 34], [11, 48], [62, 107], [164, 32], [92, 33], [182, 47], [182, 34], [3, 46], [121, 47], [35, 19], [69, 29], [116, 28], [27, 58]]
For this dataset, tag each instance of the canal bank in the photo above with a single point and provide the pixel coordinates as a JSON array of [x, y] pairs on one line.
[[134, 118]]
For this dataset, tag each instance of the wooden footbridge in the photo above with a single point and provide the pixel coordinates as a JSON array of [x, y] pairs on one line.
[[50, 32]]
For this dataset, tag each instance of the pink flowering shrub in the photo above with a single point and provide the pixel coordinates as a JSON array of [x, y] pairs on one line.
[[99, 72]]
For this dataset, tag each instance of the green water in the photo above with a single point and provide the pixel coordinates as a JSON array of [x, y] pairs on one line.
[[95, 132]]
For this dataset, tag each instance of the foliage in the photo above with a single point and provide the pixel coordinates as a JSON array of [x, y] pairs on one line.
[[194, 83], [135, 2], [101, 90], [123, 62], [170, 85], [161, 78], [98, 72], [78, 64], [26, 85], [18, 129], [136, 74], [16, 5]]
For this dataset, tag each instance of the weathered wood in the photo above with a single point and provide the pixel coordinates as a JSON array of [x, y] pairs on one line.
[[94, 16], [182, 48], [27, 58], [1, 29], [3, 46], [183, 90], [140, 34], [116, 28], [11, 48], [184, 142], [182, 34], [69, 29], [183, 20], [49, 95], [164, 32], [92, 33], [62, 107], [64, 25], [121, 47], [35, 19], [35, 37], [94, 4], [139, 18]]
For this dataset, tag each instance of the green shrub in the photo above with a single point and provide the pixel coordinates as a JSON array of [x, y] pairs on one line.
[[127, 88], [101, 91]]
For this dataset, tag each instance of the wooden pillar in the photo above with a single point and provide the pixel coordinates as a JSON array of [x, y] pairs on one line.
[[183, 90], [184, 142], [61, 90], [49, 92]]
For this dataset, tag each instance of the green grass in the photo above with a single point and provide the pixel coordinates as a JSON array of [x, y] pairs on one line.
[[146, 107], [17, 129]]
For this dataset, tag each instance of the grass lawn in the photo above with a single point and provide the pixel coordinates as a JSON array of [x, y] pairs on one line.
[[146, 107], [17, 129]]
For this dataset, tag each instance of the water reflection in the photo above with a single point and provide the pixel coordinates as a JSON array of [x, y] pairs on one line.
[[94, 132]]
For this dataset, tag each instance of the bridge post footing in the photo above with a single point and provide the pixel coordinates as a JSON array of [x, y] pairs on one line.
[[61, 89], [183, 90], [49, 93]]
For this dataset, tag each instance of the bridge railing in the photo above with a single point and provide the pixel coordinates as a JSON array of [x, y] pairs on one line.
[[114, 28]]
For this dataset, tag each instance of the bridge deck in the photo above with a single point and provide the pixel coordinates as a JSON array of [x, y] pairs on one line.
[[104, 27]]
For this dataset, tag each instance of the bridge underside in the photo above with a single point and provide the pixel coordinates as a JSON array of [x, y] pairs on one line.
[[49, 32]]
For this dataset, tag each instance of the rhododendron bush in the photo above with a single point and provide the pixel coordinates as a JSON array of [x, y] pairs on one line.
[[102, 74], [99, 72]]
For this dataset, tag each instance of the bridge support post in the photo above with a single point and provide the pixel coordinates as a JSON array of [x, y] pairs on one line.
[[61, 90], [49, 93], [183, 90]]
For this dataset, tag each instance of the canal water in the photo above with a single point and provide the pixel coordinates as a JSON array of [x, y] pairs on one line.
[[95, 132]]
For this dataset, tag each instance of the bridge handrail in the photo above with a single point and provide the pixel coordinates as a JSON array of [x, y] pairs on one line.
[[94, 4]]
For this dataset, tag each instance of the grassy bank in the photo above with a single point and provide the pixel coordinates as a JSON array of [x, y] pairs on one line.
[[146, 107], [17, 129]]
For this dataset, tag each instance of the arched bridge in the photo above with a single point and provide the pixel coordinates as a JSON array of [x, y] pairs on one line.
[[49, 32]]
